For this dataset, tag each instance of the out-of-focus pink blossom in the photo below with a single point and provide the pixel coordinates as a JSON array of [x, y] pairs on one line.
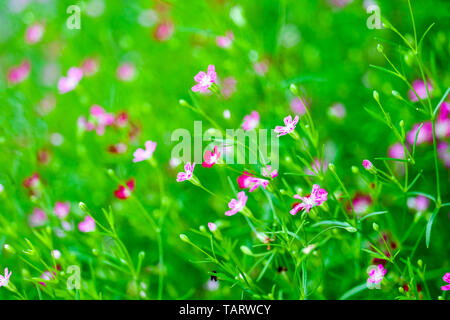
[[396, 151], [90, 66], [141, 154], [337, 110], [164, 30], [118, 148], [444, 153], [261, 67], [419, 203], [38, 218], [361, 203], [421, 90], [19, 73], [102, 119], [4, 280], [367, 164], [339, 3], [62, 209], [87, 225], [251, 121], [316, 167], [228, 87], [225, 41], [126, 71], [212, 226], [298, 106], [34, 33], [268, 172], [425, 134], [66, 84]]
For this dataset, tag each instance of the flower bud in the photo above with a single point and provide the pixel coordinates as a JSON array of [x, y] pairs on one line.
[[355, 169], [376, 96], [293, 89], [184, 238], [246, 250], [375, 227], [380, 48], [332, 167]]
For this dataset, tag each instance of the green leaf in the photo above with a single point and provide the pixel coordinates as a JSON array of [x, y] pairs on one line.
[[429, 225], [373, 214], [415, 139], [353, 291], [393, 159]]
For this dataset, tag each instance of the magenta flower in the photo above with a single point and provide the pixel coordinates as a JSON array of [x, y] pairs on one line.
[[367, 164], [126, 71], [337, 110], [289, 126], [361, 203], [419, 203], [205, 80], [237, 205], [316, 167], [211, 158], [47, 276], [376, 274], [396, 151], [66, 84], [187, 175], [38, 218], [268, 172], [164, 30], [101, 118], [297, 106], [141, 154], [62, 209], [425, 134], [19, 73], [123, 192], [316, 198], [34, 33], [87, 225], [446, 278], [228, 87], [225, 41], [251, 121], [421, 90], [247, 180], [212, 226], [4, 280], [90, 66]]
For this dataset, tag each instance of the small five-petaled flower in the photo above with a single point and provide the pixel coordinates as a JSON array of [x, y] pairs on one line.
[[236, 205], [187, 175], [5, 279], [376, 274], [289, 126], [141, 154], [316, 198], [205, 80]]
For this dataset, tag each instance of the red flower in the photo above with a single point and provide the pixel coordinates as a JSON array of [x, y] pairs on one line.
[[123, 192]]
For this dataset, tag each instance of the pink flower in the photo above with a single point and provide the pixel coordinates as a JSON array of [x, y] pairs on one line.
[[297, 106], [47, 276], [367, 164], [225, 41], [34, 33], [66, 84], [237, 205], [121, 119], [316, 198], [205, 80], [123, 192], [228, 87], [118, 148], [339, 3], [396, 151], [289, 126], [187, 175], [38, 218], [377, 274], [126, 71], [212, 226], [89, 66], [247, 180], [32, 182], [337, 110], [361, 203], [251, 121], [425, 133], [211, 158], [421, 90], [87, 225], [19, 73], [316, 167], [164, 30], [62, 209], [102, 118], [4, 280], [261, 67], [446, 278], [419, 203], [444, 153], [267, 172], [141, 154]]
